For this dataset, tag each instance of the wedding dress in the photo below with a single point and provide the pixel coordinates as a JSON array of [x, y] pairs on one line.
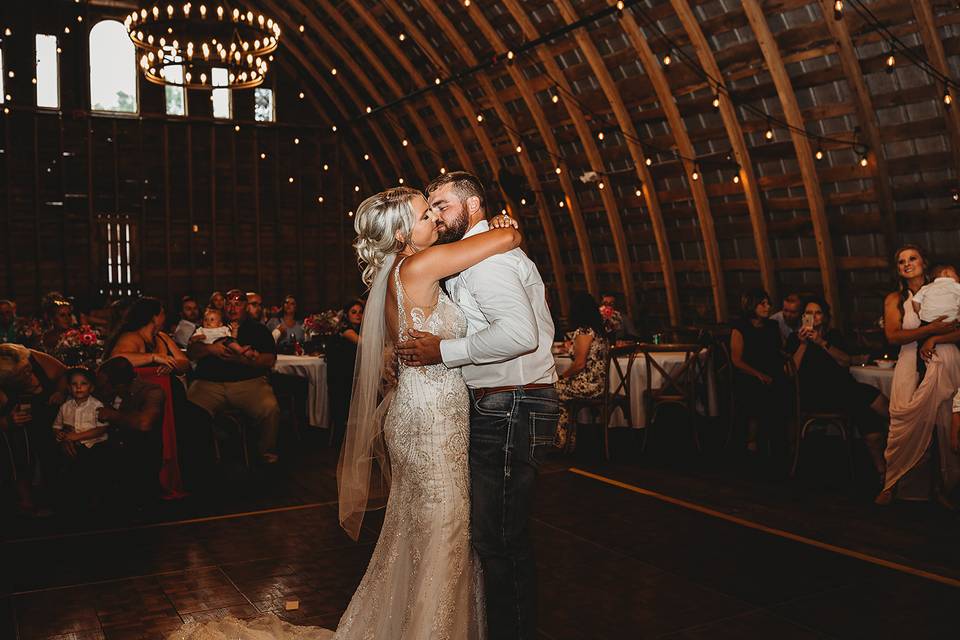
[[423, 580]]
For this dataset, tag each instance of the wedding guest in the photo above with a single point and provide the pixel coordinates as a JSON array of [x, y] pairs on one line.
[[618, 324], [189, 318], [216, 300], [285, 328], [135, 408], [820, 356], [8, 322], [788, 318], [586, 377], [760, 382], [225, 379], [139, 338], [341, 359], [255, 307], [29, 401], [82, 437], [59, 316]]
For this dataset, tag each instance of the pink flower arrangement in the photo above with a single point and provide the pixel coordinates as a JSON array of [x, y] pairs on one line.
[[612, 320], [79, 346], [325, 323]]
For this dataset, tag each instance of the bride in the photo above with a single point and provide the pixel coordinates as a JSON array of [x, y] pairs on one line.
[[407, 446]]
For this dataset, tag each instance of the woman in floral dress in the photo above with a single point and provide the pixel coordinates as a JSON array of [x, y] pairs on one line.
[[586, 377]]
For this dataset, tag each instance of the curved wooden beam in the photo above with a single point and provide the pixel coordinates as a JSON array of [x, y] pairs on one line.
[[867, 117], [377, 64], [748, 179], [700, 199], [467, 110], [332, 41], [808, 172], [927, 27], [282, 16], [439, 111], [546, 222]]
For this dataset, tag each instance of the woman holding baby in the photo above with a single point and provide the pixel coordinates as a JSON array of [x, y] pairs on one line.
[[920, 401]]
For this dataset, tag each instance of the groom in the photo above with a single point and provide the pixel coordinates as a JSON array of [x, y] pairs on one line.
[[508, 366]]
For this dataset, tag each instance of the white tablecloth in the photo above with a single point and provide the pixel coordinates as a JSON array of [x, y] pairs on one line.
[[315, 371], [875, 377], [669, 360]]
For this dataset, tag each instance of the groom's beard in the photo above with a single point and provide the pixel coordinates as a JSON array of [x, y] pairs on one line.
[[453, 233]]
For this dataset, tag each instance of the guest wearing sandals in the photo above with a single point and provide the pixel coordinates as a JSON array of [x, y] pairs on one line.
[[760, 384], [29, 401], [586, 377], [822, 363], [158, 360]]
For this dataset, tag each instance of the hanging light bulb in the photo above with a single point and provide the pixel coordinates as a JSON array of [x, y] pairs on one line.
[[349, 214], [263, 156], [296, 141], [600, 136], [290, 179], [956, 196], [523, 201], [300, 95], [620, 5], [696, 174], [736, 176], [356, 188], [600, 185], [369, 109], [326, 167], [400, 180], [768, 134], [561, 204], [558, 170], [402, 37], [405, 142], [366, 156], [443, 170], [716, 101], [947, 98], [555, 98], [648, 162], [436, 81], [819, 154], [333, 71], [320, 199], [479, 117], [863, 160], [667, 60], [891, 63], [638, 192], [519, 148], [838, 10], [511, 55]]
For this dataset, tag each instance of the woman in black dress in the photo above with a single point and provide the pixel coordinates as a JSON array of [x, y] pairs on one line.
[[341, 358], [760, 381], [820, 356]]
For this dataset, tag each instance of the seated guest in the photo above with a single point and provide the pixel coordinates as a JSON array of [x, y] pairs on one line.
[[788, 318], [8, 322], [617, 324], [59, 317], [226, 379], [216, 300], [286, 329], [820, 356], [760, 384], [585, 378], [140, 340], [135, 409], [341, 359], [189, 318], [29, 401], [255, 307], [82, 437]]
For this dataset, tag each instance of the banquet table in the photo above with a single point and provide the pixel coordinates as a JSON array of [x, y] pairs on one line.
[[874, 376], [669, 360], [314, 369]]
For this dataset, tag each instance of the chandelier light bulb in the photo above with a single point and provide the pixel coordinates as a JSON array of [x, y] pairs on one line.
[[66, 30], [436, 81], [236, 127], [369, 109], [7, 32], [510, 55], [400, 180], [290, 179], [366, 156], [334, 128], [619, 5], [466, 3], [736, 178], [695, 175], [301, 28], [333, 71]]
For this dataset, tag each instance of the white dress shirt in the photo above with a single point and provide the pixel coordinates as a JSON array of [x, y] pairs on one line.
[[82, 417], [939, 298], [509, 328]]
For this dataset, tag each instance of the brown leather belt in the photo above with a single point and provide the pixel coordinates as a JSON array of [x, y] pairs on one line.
[[480, 392]]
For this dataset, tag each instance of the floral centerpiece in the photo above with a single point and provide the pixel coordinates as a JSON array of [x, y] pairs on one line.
[[319, 327], [612, 320], [28, 331], [79, 346]]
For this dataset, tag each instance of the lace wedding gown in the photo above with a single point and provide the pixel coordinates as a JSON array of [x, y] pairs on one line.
[[423, 581]]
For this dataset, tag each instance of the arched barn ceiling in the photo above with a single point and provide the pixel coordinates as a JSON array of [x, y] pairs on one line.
[[781, 147]]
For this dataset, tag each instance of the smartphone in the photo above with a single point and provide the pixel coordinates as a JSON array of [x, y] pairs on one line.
[[807, 320]]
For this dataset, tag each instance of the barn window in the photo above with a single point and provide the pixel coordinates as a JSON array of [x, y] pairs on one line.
[[113, 69], [176, 97], [48, 72], [117, 239], [263, 107], [222, 103]]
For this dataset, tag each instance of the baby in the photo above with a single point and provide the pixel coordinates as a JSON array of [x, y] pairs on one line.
[[940, 298], [77, 420], [213, 330]]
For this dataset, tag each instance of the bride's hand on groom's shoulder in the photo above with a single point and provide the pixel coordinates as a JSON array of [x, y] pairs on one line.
[[422, 349], [502, 221]]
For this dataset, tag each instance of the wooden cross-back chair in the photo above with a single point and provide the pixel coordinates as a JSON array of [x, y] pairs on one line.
[[678, 385]]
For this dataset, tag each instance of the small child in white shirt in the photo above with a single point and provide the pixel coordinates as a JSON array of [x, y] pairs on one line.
[[78, 420], [939, 298], [213, 330]]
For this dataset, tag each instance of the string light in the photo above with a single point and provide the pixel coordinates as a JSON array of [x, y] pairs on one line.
[[443, 170], [405, 142], [523, 201], [301, 95], [600, 136], [561, 204], [667, 60], [838, 10], [863, 160], [290, 179], [638, 192], [356, 188], [296, 141], [819, 154], [947, 98], [891, 63], [320, 199], [326, 167], [402, 37], [716, 101], [600, 185], [366, 156], [558, 170], [479, 117], [648, 162], [263, 156], [333, 71]]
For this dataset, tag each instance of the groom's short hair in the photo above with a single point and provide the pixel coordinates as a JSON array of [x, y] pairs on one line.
[[464, 183]]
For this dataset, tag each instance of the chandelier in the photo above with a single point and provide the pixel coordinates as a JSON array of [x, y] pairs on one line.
[[202, 46]]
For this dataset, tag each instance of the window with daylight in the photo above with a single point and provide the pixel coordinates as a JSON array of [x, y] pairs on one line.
[[176, 97], [113, 69], [48, 72], [117, 238], [3, 75], [222, 103], [263, 109]]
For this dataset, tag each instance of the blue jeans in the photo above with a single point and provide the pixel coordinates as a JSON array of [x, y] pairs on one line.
[[510, 433]]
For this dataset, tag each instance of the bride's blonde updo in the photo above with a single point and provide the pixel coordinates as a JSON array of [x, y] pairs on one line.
[[378, 220]]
